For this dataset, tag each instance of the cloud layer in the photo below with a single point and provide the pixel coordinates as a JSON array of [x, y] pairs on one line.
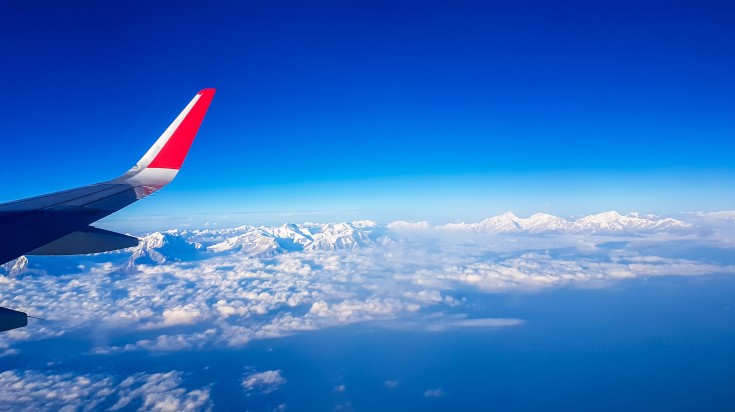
[[184, 290], [195, 290]]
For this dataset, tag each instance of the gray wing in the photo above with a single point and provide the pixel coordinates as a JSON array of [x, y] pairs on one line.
[[59, 223]]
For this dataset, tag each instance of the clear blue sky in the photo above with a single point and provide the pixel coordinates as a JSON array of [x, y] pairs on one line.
[[379, 109]]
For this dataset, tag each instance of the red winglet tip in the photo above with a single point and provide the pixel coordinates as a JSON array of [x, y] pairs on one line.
[[174, 152], [209, 91]]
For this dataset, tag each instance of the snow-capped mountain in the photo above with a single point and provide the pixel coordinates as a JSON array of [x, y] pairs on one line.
[[633, 223], [510, 223], [607, 222], [159, 247], [542, 222], [268, 240], [254, 243], [263, 241], [15, 267], [338, 236]]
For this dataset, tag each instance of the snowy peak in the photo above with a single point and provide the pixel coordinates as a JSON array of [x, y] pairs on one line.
[[158, 247], [633, 223], [508, 222], [607, 222], [505, 223], [15, 267], [269, 240], [255, 242], [338, 236], [542, 222]]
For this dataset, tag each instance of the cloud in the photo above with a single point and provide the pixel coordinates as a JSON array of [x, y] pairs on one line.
[[181, 315], [343, 407], [37, 390], [161, 392], [6, 350], [434, 393], [228, 299], [402, 225], [263, 382], [163, 343], [428, 281], [441, 322]]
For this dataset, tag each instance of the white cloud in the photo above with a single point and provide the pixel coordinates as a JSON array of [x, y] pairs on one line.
[[441, 322], [181, 315], [263, 382], [343, 407], [161, 392], [64, 392], [402, 225], [164, 343], [37, 390], [434, 393]]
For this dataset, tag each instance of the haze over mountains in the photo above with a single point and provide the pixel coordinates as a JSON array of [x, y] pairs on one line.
[[607, 222], [265, 241]]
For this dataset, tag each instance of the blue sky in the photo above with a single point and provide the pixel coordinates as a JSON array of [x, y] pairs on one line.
[[418, 110]]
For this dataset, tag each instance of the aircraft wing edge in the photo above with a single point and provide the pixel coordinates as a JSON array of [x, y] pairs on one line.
[[85, 241]]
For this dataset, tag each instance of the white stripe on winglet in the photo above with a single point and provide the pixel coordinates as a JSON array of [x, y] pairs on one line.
[[151, 177], [156, 148]]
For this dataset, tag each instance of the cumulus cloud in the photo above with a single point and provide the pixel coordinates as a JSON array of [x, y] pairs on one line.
[[64, 392], [181, 315], [37, 390], [163, 343], [6, 350], [161, 392], [263, 382]]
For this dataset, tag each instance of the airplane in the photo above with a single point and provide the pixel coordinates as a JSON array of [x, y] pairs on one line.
[[60, 223]]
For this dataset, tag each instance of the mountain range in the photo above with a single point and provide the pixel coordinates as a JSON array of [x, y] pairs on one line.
[[607, 222], [268, 241]]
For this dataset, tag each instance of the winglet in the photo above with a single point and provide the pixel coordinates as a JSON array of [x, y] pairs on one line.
[[165, 157], [179, 136]]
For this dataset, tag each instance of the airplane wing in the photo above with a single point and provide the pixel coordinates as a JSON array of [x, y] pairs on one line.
[[60, 223]]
